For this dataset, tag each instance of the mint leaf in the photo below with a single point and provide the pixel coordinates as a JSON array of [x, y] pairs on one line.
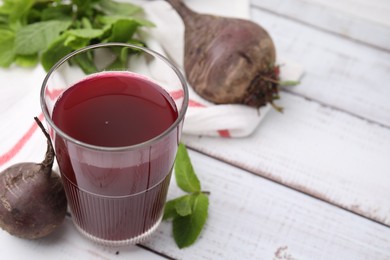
[[87, 33], [110, 7], [123, 30], [184, 205], [7, 50], [184, 172], [78, 38], [3, 19], [123, 55], [56, 50], [57, 12], [27, 60], [181, 206], [170, 210], [75, 42], [37, 37], [17, 11], [114, 18], [187, 229], [86, 63], [82, 4], [122, 58], [189, 212], [86, 23]]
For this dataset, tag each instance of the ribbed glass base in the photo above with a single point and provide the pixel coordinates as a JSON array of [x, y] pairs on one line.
[[118, 243]]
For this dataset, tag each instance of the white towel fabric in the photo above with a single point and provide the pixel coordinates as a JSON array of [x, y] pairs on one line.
[[19, 90]]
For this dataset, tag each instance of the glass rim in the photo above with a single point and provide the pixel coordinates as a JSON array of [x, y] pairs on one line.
[[149, 142]]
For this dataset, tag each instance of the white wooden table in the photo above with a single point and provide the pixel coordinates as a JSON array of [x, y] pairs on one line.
[[312, 183]]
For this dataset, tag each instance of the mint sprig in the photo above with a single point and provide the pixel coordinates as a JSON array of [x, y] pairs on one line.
[[188, 212], [33, 31]]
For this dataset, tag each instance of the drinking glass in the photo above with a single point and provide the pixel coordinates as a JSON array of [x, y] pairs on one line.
[[116, 194]]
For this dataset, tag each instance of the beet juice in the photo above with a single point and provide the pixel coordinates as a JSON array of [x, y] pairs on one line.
[[116, 194]]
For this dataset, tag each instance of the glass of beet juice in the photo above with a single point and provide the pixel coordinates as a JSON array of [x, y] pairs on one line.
[[115, 113]]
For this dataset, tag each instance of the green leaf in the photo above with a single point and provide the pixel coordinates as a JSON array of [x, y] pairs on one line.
[[122, 30], [3, 19], [6, 7], [110, 7], [78, 38], [86, 33], [37, 37], [56, 50], [184, 205], [27, 60], [76, 42], [57, 12], [16, 10], [287, 83], [34, 15], [86, 23], [185, 176], [187, 229], [181, 206], [7, 50], [85, 61], [83, 6], [124, 56], [114, 65], [170, 210], [114, 18]]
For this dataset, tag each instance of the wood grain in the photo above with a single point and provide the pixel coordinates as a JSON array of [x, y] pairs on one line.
[[318, 150], [253, 218], [338, 72], [366, 22]]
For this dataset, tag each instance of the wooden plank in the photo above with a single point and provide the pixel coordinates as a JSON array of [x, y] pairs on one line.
[[364, 21], [66, 243], [338, 72], [373, 10], [317, 150], [253, 218]]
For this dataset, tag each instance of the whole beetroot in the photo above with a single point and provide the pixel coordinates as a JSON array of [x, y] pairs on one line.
[[228, 60], [32, 197]]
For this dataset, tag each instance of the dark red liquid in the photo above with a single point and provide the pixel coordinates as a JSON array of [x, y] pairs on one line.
[[114, 109], [116, 195]]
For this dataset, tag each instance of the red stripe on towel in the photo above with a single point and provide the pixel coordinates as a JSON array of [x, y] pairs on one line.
[[54, 93], [224, 133], [20, 144], [191, 103]]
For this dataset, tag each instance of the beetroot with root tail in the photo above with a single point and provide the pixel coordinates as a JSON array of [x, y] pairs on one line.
[[228, 60], [32, 197]]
